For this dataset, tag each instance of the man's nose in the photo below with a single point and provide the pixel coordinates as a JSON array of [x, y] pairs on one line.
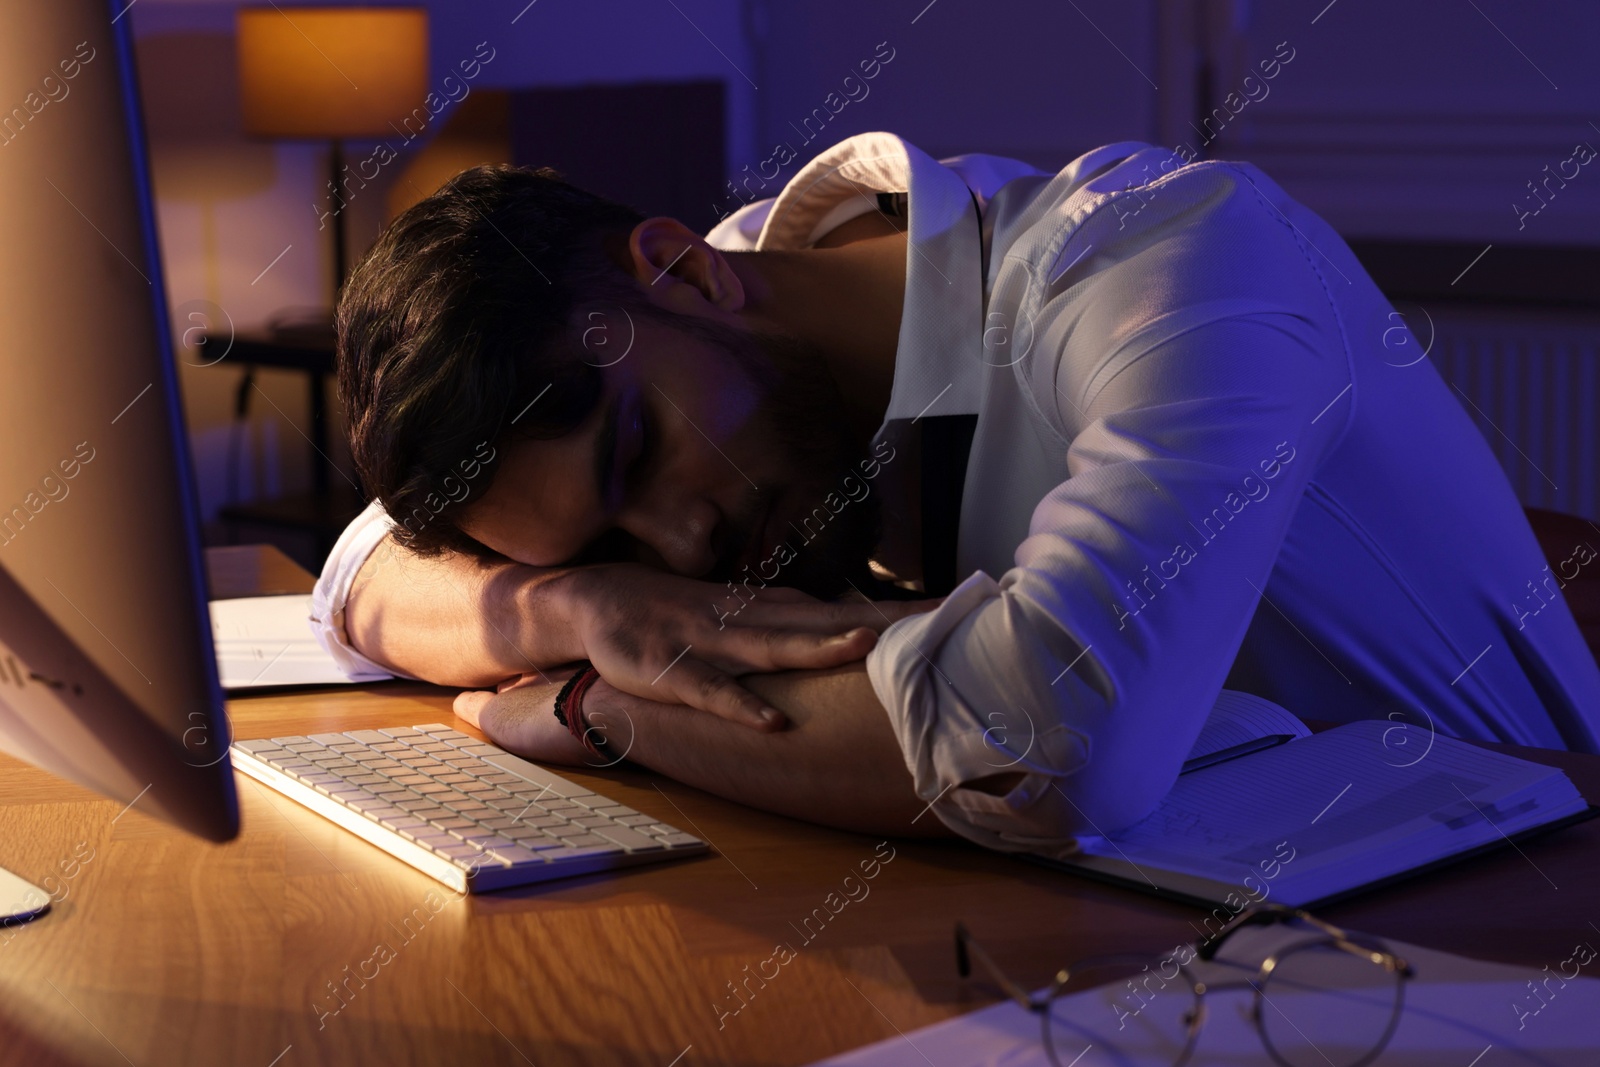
[[680, 531]]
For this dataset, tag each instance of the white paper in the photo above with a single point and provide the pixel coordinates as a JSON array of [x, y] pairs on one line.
[[267, 640], [1457, 1010]]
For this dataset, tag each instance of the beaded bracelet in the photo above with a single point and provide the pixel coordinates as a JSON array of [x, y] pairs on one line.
[[569, 708]]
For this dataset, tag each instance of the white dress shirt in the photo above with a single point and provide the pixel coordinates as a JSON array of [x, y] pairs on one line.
[[1206, 456]]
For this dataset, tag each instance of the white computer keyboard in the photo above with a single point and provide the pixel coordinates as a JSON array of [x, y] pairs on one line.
[[467, 813]]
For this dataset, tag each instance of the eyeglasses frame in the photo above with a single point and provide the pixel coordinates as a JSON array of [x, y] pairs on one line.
[[1264, 914]]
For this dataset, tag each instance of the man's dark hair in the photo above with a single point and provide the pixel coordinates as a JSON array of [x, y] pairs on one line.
[[452, 326]]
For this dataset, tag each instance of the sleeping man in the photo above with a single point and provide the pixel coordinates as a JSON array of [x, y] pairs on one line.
[[925, 486]]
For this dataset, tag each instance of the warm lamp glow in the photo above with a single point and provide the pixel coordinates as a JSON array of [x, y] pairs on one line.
[[331, 73]]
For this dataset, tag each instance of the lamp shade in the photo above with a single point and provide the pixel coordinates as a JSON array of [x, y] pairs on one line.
[[327, 73]]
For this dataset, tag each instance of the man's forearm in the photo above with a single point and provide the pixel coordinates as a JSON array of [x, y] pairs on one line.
[[838, 763], [456, 621]]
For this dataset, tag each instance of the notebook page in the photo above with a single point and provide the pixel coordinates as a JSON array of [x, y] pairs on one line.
[[1336, 797], [1240, 718], [267, 640]]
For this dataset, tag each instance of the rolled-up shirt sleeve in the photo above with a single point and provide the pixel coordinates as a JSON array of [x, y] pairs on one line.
[[1089, 667], [365, 532]]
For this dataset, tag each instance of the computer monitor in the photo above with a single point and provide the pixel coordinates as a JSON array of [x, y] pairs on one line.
[[107, 675]]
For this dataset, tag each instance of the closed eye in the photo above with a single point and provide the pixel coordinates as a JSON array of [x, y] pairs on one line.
[[641, 444]]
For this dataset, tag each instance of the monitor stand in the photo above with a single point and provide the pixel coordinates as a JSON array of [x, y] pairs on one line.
[[20, 901]]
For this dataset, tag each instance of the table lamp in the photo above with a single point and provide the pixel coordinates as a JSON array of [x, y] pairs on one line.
[[332, 73]]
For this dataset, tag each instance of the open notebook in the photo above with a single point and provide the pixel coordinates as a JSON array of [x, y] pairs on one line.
[[1265, 809]]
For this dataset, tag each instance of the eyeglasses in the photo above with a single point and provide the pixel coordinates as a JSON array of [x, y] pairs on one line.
[[1330, 1000]]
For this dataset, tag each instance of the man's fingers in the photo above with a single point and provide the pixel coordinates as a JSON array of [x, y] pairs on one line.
[[786, 594], [468, 705], [824, 617], [776, 650], [702, 686]]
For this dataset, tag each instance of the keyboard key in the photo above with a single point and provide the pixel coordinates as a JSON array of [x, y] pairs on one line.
[[328, 739], [433, 728], [593, 821], [515, 854], [399, 732], [401, 822], [481, 750], [631, 840], [262, 745], [543, 844], [454, 824], [636, 820], [487, 841], [460, 851], [563, 831], [437, 839], [593, 841], [677, 840], [615, 811], [500, 779], [366, 737]]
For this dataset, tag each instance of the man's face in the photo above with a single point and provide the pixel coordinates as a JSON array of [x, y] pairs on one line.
[[709, 446]]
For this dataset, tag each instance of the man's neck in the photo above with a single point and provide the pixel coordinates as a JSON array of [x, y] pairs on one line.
[[845, 300]]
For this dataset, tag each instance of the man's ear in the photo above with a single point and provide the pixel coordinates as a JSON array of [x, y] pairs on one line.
[[679, 271]]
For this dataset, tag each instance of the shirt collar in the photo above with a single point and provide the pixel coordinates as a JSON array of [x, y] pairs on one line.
[[936, 371]]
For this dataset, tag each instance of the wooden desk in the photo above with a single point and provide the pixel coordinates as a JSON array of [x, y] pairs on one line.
[[165, 950]]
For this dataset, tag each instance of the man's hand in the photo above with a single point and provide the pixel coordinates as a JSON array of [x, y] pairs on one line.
[[520, 718], [676, 640], [522, 721], [837, 762]]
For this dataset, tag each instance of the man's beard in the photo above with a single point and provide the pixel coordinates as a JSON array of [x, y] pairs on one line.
[[802, 415]]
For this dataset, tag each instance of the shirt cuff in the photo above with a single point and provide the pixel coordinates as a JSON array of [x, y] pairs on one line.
[[365, 532], [937, 710]]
